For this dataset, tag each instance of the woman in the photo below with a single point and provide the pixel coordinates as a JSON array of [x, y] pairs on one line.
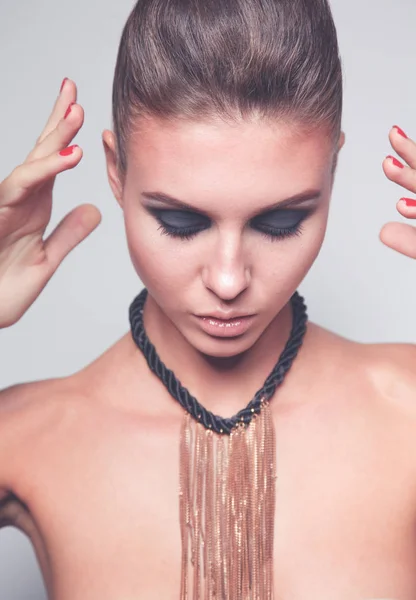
[[227, 129]]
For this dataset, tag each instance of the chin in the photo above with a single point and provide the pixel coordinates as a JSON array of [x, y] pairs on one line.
[[222, 347]]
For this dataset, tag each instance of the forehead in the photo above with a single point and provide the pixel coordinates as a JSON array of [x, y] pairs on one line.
[[234, 157]]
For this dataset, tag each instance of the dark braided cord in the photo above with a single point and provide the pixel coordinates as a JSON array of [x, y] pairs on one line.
[[189, 402]]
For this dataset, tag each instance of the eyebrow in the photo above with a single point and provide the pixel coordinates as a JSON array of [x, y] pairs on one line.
[[296, 200]]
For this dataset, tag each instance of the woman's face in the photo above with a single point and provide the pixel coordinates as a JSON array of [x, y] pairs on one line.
[[209, 226]]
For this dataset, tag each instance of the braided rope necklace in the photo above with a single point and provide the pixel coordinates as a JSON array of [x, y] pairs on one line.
[[227, 479]]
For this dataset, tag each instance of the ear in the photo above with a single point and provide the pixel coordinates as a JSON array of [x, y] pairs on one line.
[[341, 141], [109, 144], [340, 145]]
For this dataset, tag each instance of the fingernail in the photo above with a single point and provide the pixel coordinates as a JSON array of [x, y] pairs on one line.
[[396, 162], [402, 133], [63, 84], [68, 151], [409, 201], [68, 110]]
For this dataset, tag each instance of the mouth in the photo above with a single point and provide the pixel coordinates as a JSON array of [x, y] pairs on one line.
[[226, 327], [224, 316]]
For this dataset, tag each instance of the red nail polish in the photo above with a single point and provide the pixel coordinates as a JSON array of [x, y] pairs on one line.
[[402, 133], [68, 110], [63, 83], [396, 162], [409, 201], [68, 151]]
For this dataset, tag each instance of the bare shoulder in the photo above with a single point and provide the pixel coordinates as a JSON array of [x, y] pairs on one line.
[[27, 412], [386, 370], [26, 402], [22, 399], [392, 369], [31, 413]]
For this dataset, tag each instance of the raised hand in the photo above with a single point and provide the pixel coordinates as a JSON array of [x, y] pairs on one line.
[[27, 261], [402, 236]]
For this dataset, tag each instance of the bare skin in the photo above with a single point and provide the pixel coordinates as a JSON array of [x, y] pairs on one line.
[[94, 464], [89, 463]]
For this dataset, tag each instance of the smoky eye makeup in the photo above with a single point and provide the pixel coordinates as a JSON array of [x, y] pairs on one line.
[[186, 224], [180, 218], [280, 218]]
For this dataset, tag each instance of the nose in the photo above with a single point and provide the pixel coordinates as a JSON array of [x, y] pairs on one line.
[[225, 272]]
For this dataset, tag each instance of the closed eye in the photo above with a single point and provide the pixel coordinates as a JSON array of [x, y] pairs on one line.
[[279, 218], [186, 224]]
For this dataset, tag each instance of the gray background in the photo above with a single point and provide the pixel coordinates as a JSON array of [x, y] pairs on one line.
[[358, 287]]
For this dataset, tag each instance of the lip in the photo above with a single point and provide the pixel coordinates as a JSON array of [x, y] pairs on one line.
[[221, 316], [225, 328]]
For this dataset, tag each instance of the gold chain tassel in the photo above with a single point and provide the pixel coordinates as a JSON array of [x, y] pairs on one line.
[[227, 506]]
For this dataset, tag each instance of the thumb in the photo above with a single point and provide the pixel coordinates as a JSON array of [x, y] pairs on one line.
[[71, 231]]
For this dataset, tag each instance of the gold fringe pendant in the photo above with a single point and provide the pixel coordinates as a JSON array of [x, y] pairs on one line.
[[227, 504]]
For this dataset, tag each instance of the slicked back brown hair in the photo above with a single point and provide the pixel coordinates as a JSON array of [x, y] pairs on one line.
[[230, 59]]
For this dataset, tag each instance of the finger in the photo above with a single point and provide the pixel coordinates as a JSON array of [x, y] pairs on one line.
[[407, 208], [396, 171], [25, 179], [404, 146], [69, 94], [400, 237], [63, 134], [71, 231]]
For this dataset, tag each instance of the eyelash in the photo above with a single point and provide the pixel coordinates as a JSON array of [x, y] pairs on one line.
[[271, 233]]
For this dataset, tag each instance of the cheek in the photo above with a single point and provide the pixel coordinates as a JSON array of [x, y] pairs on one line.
[[157, 259], [286, 263]]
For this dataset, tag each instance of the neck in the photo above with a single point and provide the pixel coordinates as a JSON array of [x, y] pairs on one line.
[[222, 385]]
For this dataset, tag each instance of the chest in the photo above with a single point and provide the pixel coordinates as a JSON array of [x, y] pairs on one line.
[[105, 499]]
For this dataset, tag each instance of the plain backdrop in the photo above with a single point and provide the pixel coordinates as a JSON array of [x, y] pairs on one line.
[[358, 287]]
